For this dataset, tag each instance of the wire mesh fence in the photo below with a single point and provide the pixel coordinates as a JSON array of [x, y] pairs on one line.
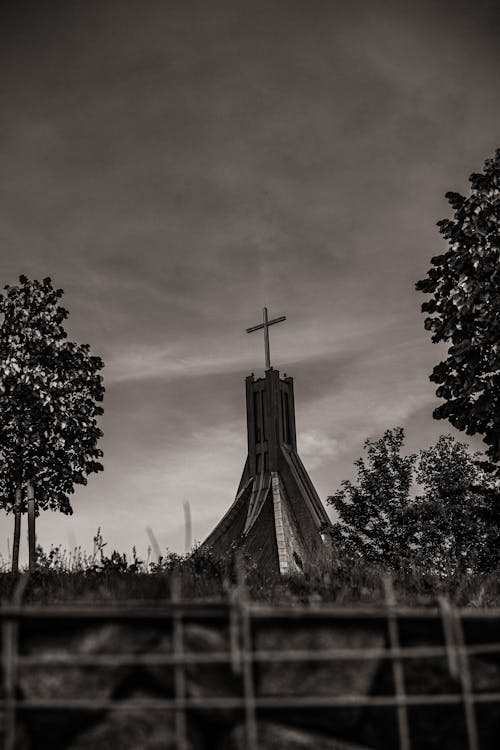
[[462, 635]]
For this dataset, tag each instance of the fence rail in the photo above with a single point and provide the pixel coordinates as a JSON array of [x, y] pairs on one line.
[[243, 619]]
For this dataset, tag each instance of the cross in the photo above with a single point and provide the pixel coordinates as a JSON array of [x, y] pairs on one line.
[[265, 325]]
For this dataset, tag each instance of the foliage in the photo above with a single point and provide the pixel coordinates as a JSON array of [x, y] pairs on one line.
[[465, 309], [49, 393], [433, 512], [373, 512], [64, 576], [452, 518]]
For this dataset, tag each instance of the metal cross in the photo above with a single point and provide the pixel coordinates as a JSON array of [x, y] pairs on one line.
[[265, 325]]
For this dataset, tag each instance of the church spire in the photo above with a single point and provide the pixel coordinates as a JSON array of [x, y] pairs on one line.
[[277, 517]]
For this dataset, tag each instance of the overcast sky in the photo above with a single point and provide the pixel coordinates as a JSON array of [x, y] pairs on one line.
[[175, 166]]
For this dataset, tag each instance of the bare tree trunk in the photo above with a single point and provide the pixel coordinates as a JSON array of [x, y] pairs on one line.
[[31, 527], [17, 529]]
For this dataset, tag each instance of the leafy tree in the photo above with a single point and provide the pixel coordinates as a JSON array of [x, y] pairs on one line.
[[465, 309], [372, 513], [434, 511], [50, 389], [452, 517]]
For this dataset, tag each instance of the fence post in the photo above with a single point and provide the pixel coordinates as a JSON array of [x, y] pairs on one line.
[[179, 667], [246, 655], [9, 659], [397, 666], [10, 643], [449, 636], [234, 629], [465, 681]]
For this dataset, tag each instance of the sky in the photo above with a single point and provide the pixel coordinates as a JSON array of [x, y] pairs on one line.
[[175, 166]]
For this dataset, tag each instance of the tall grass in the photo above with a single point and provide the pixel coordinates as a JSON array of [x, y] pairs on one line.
[[69, 576]]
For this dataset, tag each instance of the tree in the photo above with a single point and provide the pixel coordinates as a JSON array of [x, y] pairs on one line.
[[452, 517], [372, 513], [433, 511], [50, 389], [465, 310]]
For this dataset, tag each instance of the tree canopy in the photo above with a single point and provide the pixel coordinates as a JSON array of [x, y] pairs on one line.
[[451, 513], [50, 389], [465, 309], [432, 509], [372, 512]]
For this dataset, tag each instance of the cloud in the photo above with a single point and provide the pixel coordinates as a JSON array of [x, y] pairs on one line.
[[317, 448], [321, 349], [175, 169]]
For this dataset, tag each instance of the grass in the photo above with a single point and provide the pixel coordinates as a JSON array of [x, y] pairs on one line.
[[76, 576]]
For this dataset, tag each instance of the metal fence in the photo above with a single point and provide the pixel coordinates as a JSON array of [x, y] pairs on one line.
[[243, 619]]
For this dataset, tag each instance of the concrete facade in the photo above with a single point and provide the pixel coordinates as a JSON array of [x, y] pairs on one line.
[[277, 515]]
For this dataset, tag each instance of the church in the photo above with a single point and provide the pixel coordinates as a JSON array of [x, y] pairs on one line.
[[277, 517]]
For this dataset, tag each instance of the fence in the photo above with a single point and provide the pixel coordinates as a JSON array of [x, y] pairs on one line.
[[243, 620]]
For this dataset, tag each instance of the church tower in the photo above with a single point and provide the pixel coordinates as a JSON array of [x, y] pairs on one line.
[[277, 516]]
